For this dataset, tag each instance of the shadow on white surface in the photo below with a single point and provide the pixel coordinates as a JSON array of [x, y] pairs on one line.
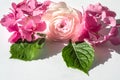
[[50, 49], [118, 21], [103, 53]]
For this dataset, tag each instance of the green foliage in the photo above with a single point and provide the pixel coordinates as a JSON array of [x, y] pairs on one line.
[[26, 50], [78, 55]]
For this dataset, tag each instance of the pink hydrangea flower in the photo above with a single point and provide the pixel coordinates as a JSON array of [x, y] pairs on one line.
[[102, 12], [99, 25], [25, 20]]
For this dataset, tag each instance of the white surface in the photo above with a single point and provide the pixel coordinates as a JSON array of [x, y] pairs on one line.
[[106, 66]]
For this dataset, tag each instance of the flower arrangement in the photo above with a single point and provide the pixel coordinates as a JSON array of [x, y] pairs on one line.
[[32, 23]]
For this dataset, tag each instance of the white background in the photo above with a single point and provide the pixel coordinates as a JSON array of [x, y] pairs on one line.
[[105, 67]]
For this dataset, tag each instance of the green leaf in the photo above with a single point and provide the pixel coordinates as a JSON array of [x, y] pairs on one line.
[[78, 55], [26, 50]]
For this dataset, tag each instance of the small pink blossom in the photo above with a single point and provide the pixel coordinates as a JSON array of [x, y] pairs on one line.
[[9, 22], [114, 36], [29, 30], [14, 38]]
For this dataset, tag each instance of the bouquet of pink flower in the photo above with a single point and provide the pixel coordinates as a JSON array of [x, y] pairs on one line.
[[33, 22]]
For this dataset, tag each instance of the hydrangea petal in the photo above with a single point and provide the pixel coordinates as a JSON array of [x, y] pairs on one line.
[[15, 37]]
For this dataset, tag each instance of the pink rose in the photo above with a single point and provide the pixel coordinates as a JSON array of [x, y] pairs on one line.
[[63, 22]]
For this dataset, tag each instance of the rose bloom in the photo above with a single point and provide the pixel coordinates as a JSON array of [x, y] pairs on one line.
[[63, 22]]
